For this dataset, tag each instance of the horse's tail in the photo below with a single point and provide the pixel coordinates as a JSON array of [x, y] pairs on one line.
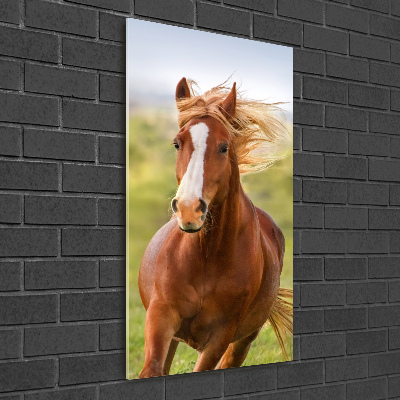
[[281, 318]]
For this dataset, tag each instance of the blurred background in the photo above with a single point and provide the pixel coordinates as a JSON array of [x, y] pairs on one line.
[[158, 56]]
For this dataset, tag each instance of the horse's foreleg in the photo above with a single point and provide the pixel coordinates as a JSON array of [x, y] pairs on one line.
[[161, 324], [170, 356], [237, 352], [214, 350]]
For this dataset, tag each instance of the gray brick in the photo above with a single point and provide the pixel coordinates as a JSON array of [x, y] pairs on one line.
[[395, 147], [10, 141], [367, 242], [88, 178], [339, 319], [308, 113], [369, 96], [373, 48], [87, 54], [394, 52], [112, 273], [9, 11], [366, 342], [60, 340], [60, 81], [337, 392], [395, 242], [369, 389], [10, 344], [308, 10], [143, 389], [395, 100], [100, 117], [394, 338], [322, 242], [377, 5], [308, 216], [15, 107], [308, 269], [384, 123], [85, 393], [286, 395], [326, 294], [27, 375], [384, 267], [346, 118], [112, 212], [112, 150], [340, 369], [112, 27], [26, 44], [367, 292], [384, 170], [10, 209], [27, 242], [368, 193], [278, 30], [308, 164], [385, 74], [60, 18], [297, 86], [324, 191], [26, 309], [384, 219], [346, 218], [299, 374], [395, 195], [384, 26], [319, 38], [394, 291], [96, 241], [345, 268], [395, 8], [267, 6], [112, 336], [177, 11], [60, 274], [384, 364], [369, 145], [10, 273], [10, 74], [331, 141], [88, 369], [324, 90], [308, 61], [383, 315], [117, 5], [59, 145], [346, 68], [112, 88], [92, 306], [308, 321], [297, 137], [346, 167], [393, 386], [46, 210], [346, 18], [297, 189], [237, 381]]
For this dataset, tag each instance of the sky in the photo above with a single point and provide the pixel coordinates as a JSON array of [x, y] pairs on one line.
[[159, 55]]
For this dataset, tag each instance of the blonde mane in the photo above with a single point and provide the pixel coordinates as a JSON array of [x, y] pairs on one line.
[[256, 131]]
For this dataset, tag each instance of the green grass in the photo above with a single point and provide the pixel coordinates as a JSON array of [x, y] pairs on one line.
[[151, 186]]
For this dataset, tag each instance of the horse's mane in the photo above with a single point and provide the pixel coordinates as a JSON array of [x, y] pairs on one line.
[[256, 131]]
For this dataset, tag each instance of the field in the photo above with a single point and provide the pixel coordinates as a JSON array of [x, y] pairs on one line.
[[152, 185]]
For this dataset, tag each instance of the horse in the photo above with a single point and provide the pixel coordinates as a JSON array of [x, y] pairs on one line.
[[210, 277]]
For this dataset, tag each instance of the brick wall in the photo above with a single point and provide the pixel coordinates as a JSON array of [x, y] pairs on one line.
[[62, 178]]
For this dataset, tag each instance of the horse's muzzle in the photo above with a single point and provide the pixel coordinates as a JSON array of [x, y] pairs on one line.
[[191, 230]]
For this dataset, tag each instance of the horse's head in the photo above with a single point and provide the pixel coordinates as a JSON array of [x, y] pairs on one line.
[[203, 165]]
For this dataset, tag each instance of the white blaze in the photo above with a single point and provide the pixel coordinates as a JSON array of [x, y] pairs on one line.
[[192, 182]]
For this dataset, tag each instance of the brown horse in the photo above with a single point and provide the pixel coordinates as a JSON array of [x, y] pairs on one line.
[[214, 288]]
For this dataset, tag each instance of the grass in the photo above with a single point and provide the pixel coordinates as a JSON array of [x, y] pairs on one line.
[[151, 186]]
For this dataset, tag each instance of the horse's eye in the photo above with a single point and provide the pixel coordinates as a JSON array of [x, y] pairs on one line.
[[223, 149], [176, 144]]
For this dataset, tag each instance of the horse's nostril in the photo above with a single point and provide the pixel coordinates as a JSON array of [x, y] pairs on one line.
[[174, 205], [203, 206]]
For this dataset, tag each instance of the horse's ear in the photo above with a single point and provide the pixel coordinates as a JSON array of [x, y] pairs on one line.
[[182, 90], [228, 106]]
